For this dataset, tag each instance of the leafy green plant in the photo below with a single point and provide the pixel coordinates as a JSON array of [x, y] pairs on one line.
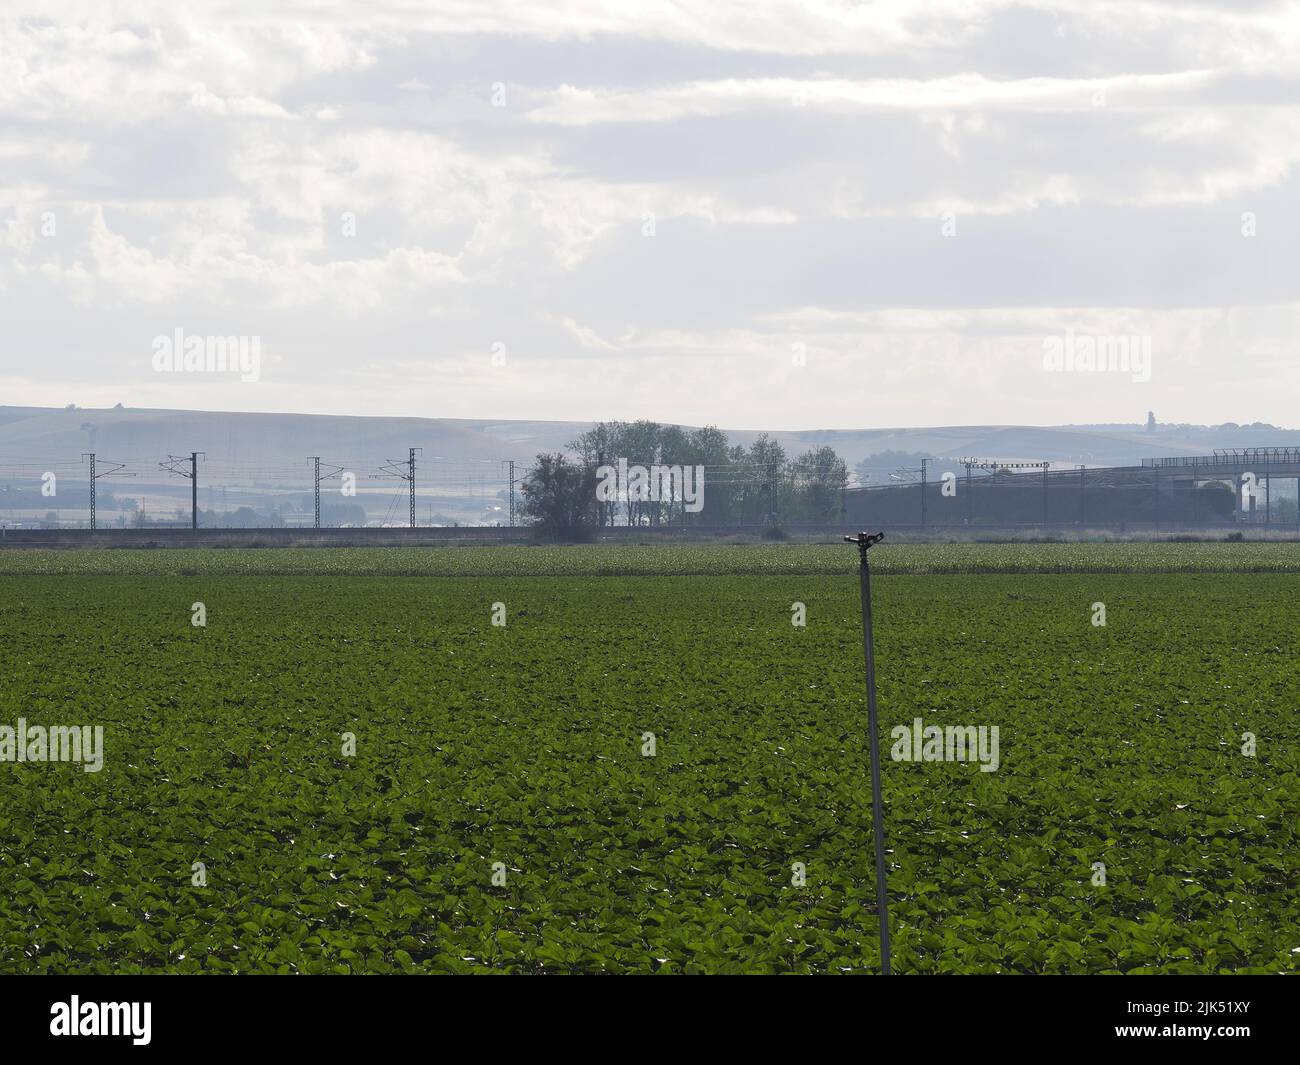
[[522, 744]]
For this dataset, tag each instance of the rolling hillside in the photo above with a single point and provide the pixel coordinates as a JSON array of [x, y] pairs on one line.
[[262, 459]]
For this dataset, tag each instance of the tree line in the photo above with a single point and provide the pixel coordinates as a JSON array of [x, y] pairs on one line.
[[563, 497]]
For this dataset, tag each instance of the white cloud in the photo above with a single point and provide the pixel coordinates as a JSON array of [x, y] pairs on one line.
[[337, 178], [571, 106]]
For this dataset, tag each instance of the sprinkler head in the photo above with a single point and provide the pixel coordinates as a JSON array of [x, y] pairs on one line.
[[865, 541]]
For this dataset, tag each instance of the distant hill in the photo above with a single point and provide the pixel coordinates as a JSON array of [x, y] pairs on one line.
[[255, 458]]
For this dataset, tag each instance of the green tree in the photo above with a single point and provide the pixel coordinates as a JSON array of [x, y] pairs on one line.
[[603, 444], [559, 498], [707, 447], [759, 471], [648, 443], [817, 481]]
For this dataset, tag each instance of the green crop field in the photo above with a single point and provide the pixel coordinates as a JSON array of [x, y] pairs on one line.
[[499, 814], [629, 560]]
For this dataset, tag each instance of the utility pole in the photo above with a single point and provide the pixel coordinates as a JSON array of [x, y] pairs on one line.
[[771, 481], [1083, 495], [410, 461], [332, 471], [511, 464], [1046, 520], [864, 542], [605, 513], [1155, 503], [923, 481], [393, 467], [95, 477], [193, 476]]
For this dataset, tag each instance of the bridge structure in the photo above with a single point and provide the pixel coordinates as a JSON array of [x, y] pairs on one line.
[[1186, 492], [1249, 470]]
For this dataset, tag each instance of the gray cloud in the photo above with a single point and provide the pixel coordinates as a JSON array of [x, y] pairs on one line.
[[345, 188]]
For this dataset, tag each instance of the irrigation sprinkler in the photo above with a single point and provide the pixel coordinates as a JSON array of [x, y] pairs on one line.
[[865, 542]]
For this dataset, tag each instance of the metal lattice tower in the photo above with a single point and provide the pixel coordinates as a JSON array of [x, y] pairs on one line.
[[511, 464], [410, 462], [192, 476], [924, 477], [94, 476], [316, 469], [393, 467]]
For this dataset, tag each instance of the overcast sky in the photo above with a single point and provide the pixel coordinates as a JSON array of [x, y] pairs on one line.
[[781, 215]]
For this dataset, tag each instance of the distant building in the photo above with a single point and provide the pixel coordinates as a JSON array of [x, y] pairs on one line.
[[1151, 421]]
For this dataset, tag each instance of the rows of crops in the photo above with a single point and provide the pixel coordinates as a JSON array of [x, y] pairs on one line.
[[499, 812], [663, 559]]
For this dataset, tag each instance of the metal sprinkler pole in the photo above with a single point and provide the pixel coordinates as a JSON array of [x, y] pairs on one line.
[[864, 542]]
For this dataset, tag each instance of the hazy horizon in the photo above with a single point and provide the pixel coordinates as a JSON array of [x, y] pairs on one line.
[[1139, 424]]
